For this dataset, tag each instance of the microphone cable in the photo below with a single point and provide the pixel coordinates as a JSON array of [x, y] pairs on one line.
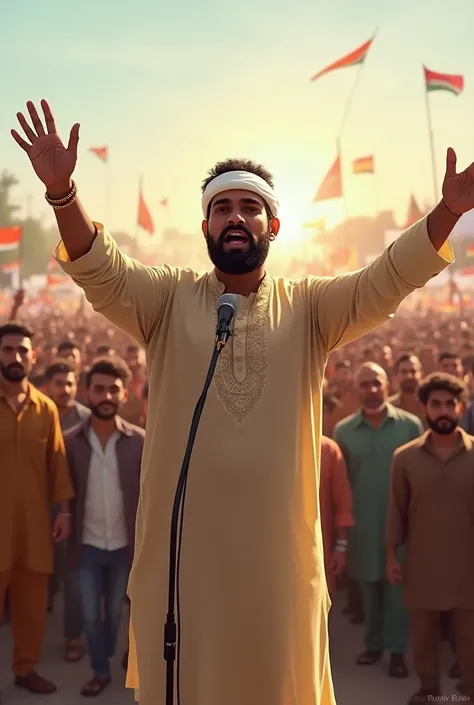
[[172, 632]]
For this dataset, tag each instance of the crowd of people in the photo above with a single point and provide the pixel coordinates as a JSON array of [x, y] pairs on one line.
[[73, 404], [398, 418], [396, 489]]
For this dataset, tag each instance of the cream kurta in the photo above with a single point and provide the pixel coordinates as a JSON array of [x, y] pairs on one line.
[[253, 595]]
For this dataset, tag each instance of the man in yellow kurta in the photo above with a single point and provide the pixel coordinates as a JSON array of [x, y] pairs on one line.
[[253, 595]]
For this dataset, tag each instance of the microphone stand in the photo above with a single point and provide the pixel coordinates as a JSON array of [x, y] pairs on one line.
[[170, 626]]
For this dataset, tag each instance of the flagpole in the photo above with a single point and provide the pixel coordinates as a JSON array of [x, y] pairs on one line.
[[433, 158], [106, 190], [20, 266], [343, 190], [339, 138], [135, 254], [343, 123]]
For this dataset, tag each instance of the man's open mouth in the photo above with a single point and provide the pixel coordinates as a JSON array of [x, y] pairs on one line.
[[234, 236]]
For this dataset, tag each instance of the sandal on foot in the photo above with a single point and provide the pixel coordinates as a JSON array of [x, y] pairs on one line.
[[369, 657], [95, 687]]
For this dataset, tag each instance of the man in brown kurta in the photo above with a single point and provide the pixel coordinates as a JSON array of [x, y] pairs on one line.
[[431, 511], [33, 474]]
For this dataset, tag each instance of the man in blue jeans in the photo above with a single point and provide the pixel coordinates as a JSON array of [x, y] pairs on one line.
[[104, 455]]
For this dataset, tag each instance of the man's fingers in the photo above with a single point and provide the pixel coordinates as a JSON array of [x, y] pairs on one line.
[[73, 139], [35, 118], [19, 140], [48, 117], [451, 160], [26, 128]]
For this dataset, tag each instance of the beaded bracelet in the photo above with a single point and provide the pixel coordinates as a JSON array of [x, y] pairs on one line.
[[57, 203]]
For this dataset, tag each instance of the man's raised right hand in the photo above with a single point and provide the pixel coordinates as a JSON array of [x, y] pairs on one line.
[[53, 163]]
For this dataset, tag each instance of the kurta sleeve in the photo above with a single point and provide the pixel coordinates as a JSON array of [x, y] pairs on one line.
[[346, 307], [341, 492], [398, 503], [60, 486], [129, 294]]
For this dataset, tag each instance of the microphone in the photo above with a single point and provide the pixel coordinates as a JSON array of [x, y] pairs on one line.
[[226, 310]]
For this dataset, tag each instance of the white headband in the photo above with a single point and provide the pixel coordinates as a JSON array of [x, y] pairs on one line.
[[240, 180]]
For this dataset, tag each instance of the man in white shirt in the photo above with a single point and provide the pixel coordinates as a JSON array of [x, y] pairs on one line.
[[105, 458]]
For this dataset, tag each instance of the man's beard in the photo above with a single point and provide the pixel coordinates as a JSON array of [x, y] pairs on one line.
[[97, 410], [444, 426], [238, 261], [409, 386], [13, 372]]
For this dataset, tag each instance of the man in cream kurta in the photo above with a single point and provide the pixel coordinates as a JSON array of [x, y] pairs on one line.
[[253, 596]]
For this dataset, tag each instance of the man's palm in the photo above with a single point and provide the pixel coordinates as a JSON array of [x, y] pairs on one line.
[[51, 160]]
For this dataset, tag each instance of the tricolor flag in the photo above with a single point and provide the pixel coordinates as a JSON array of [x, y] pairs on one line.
[[144, 219], [101, 152], [363, 165], [356, 57], [470, 251], [10, 238], [331, 186], [443, 82]]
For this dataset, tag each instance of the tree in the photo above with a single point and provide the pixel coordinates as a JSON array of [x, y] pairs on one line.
[[37, 241], [7, 209], [37, 245]]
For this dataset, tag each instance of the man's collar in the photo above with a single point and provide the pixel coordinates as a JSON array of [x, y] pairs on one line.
[[390, 413], [122, 426], [426, 440], [218, 288], [32, 394]]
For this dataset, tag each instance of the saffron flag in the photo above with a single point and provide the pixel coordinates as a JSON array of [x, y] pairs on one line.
[[443, 82], [331, 186], [355, 57], [10, 238], [101, 152], [363, 165], [144, 218]]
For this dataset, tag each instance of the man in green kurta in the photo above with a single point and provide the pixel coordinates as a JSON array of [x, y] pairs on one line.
[[253, 596], [368, 440]]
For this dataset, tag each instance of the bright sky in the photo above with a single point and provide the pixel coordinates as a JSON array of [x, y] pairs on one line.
[[173, 87]]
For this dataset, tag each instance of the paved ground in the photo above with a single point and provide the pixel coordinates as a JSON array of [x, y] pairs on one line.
[[354, 685]]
